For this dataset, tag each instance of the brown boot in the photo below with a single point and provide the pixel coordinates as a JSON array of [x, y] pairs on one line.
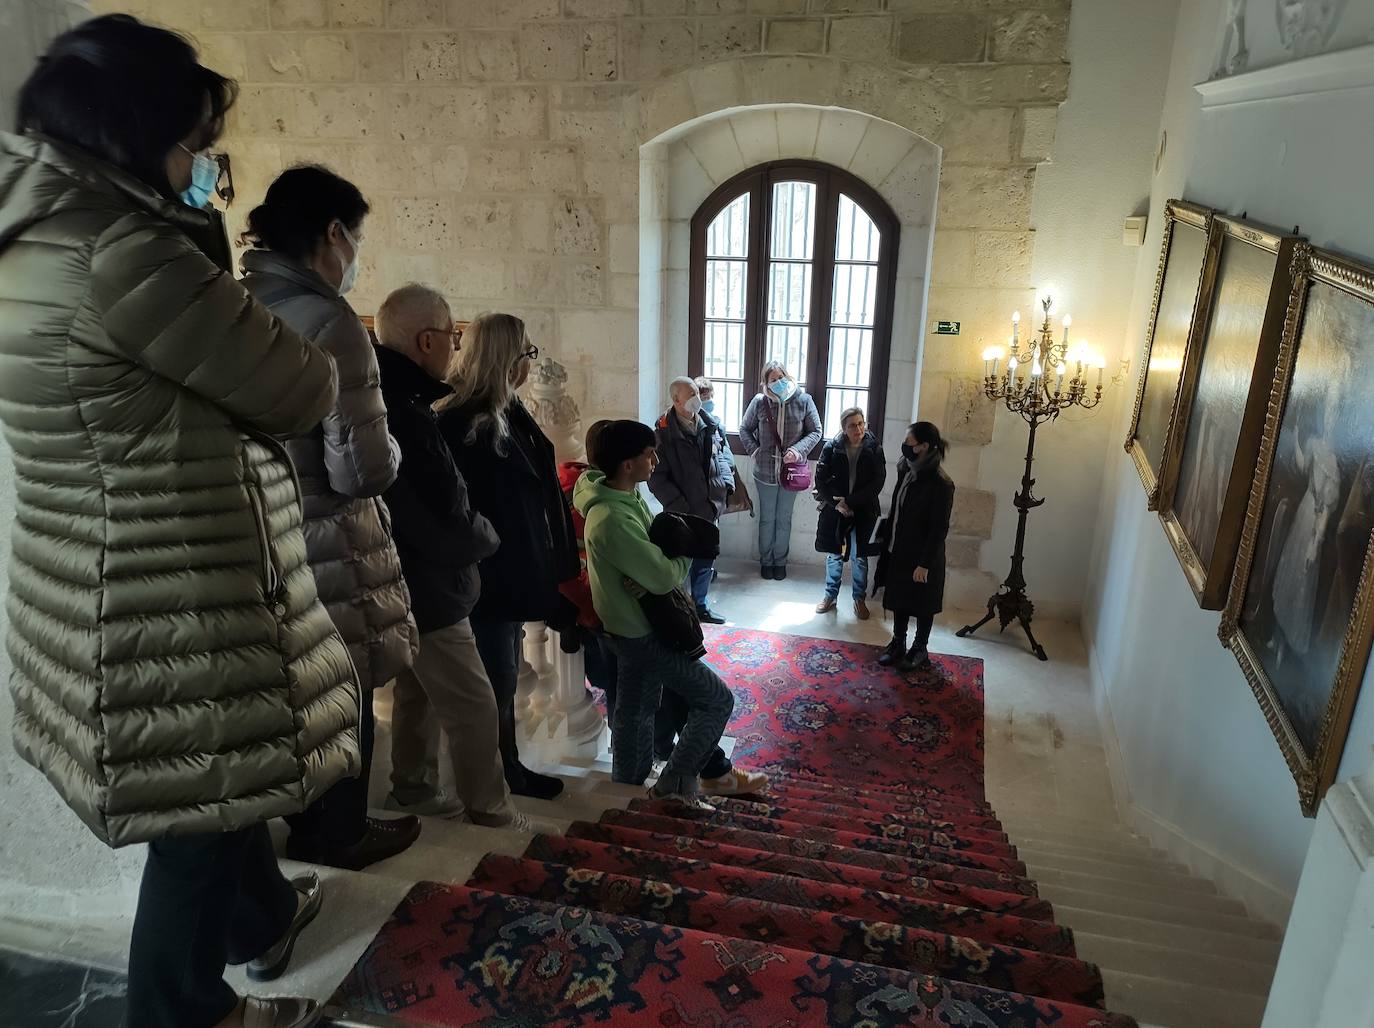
[[826, 605], [861, 609]]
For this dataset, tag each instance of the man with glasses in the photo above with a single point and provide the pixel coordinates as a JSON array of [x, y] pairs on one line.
[[440, 540]]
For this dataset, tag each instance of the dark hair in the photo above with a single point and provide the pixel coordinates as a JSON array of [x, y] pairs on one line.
[[299, 208], [593, 434], [619, 441], [926, 432], [125, 92]]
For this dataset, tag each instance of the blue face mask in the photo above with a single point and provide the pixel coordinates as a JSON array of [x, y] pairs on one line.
[[204, 175], [709, 406], [779, 388]]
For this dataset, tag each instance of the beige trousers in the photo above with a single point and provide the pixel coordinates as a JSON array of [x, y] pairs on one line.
[[448, 688]]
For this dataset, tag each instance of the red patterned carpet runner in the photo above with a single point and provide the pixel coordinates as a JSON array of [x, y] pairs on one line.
[[871, 885]]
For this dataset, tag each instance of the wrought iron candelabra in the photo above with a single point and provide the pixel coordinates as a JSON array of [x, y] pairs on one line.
[[1036, 384]]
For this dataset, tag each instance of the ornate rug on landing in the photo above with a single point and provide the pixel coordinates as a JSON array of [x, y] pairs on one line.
[[829, 709]]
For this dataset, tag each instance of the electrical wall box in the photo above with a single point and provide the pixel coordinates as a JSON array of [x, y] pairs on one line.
[[1133, 231]]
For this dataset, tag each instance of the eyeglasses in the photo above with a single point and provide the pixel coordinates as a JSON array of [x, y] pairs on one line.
[[531, 354], [454, 334]]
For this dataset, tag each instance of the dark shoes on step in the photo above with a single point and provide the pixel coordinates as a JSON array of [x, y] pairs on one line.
[[381, 840], [776, 572], [281, 1012], [707, 616], [535, 785], [896, 655], [269, 965]]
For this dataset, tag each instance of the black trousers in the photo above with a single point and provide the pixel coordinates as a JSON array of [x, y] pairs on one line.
[[924, 623], [206, 900], [498, 644], [339, 817], [669, 720]]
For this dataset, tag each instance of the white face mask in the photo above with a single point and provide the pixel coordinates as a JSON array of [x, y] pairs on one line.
[[692, 406], [350, 268]]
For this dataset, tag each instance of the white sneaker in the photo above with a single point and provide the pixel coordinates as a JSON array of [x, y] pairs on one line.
[[682, 799], [735, 783], [441, 804]]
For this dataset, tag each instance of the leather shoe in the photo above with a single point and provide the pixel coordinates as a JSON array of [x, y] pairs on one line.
[[707, 616], [861, 610], [380, 840], [766, 571], [270, 965], [826, 605], [281, 1012], [779, 572], [917, 656], [536, 786], [893, 654]]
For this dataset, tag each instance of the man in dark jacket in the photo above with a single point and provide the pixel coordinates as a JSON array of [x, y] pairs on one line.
[[440, 539], [693, 476], [849, 480]]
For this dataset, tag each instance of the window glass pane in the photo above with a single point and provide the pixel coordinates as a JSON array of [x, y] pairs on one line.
[[851, 353], [729, 403], [856, 294], [789, 292], [794, 220], [856, 237], [787, 343], [728, 234], [725, 288], [837, 401], [723, 350]]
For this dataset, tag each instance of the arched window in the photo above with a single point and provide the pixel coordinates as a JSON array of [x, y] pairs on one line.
[[794, 261]]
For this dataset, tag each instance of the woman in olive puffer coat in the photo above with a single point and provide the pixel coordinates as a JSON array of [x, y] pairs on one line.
[[307, 234], [174, 675]]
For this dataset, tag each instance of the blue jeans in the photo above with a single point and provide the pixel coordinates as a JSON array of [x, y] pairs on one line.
[[647, 667], [699, 579], [834, 570], [775, 523]]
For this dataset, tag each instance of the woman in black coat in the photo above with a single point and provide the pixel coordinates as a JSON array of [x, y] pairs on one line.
[[849, 480], [512, 479], [911, 570]]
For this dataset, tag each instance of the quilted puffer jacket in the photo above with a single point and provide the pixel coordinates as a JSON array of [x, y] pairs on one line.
[[173, 671], [345, 464]]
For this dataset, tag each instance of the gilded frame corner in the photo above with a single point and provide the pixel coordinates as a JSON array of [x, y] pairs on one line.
[[1312, 772]]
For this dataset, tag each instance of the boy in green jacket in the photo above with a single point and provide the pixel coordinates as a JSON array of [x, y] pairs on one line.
[[620, 556]]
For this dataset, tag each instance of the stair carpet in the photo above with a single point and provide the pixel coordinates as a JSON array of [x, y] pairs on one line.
[[908, 894]]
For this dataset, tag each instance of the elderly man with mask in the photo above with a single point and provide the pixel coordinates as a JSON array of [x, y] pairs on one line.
[[694, 474]]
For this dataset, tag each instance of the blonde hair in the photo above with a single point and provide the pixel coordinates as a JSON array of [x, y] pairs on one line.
[[769, 368], [492, 344]]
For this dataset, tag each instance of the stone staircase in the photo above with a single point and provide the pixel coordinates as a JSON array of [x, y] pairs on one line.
[[1173, 952]]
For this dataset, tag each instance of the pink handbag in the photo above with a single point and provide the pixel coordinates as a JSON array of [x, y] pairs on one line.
[[794, 477]]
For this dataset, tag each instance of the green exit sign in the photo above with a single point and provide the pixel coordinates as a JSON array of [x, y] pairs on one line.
[[947, 328]]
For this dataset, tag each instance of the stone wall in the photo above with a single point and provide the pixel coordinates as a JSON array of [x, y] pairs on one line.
[[498, 140]]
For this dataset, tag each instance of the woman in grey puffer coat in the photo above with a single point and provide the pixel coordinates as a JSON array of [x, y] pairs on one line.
[[307, 232]]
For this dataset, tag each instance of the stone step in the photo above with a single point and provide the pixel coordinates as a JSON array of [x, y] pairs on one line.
[[1106, 841], [1165, 894], [1168, 962], [1135, 870], [1180, 1004], [1170, 913], [1038, 823], [1124, 853], [1254, 941]]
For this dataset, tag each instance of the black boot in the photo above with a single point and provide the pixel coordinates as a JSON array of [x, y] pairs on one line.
[[894, 654], [918, 656], [779, 571], [380, 840], [535, 785], [766, 571]]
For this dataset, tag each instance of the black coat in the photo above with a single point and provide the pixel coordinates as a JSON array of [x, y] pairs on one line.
[[518, 492], [832, 484], [438, 537], [919, 527]]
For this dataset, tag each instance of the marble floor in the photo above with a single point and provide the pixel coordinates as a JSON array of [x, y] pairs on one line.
[[1044, 757]]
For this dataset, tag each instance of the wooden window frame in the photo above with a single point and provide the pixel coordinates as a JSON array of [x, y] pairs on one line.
[[830, 183]]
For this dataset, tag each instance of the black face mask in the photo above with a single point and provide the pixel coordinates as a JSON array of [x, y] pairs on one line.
[[909, 452]]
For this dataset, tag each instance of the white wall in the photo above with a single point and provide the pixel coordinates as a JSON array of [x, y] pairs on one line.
[[1197, 763], [1104, 149]]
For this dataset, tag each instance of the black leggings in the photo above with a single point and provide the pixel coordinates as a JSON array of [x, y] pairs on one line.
[[924, 623]]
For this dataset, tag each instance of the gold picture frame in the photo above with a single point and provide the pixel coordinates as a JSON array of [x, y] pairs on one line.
[[1187, 265], [1223, 392], [1300, 615]]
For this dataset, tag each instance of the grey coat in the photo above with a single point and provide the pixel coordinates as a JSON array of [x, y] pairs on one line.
[[345, 464], [694, 473], [799, 425]]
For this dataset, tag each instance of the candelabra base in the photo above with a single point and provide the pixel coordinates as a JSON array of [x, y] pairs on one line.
[[1007, 605]]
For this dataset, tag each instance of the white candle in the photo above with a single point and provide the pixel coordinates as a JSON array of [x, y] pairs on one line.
[[1012, 367], [1059, 377], [1067, 322], [1015, 328]]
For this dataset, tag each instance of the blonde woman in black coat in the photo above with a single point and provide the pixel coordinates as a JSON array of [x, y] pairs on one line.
[[911, 569]]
